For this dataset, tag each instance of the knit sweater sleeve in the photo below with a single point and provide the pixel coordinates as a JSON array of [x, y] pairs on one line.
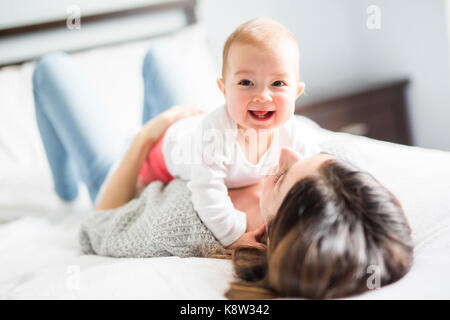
[[161, 222]]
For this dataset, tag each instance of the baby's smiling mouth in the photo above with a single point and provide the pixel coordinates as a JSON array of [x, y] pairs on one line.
[[261, 115]]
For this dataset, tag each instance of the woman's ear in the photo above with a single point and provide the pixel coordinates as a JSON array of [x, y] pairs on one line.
[[301, 87], [221, 85]]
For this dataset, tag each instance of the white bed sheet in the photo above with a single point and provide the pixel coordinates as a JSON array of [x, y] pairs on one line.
[[40, 256]]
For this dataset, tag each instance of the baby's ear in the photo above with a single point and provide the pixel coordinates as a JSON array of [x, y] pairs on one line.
[[301, 88], [221, 85]]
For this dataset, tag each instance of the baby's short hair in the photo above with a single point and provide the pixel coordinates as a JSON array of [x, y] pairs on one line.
[[260, 32]]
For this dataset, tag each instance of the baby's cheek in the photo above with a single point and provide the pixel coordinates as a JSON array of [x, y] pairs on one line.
[[284, 100], [242, 100], [282, 113], [238, 110], [241, 106]]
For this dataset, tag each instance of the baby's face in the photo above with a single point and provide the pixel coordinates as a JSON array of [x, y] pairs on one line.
[[261, 86]]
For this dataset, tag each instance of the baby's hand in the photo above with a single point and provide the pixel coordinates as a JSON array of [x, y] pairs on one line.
[[251, 238], [176, 113], [154, 128]]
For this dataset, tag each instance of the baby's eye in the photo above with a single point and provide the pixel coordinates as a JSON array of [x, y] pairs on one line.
[[279, 83], [245, 82]]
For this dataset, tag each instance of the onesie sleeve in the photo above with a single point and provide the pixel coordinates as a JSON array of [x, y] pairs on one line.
[[211, 200], [306, 136]]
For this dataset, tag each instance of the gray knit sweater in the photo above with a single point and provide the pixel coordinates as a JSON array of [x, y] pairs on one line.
[[161, 222]]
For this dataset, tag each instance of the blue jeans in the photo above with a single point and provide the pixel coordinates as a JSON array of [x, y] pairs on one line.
[[79, 141]]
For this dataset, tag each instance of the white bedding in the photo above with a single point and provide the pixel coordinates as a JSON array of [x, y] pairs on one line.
[[39, 251]]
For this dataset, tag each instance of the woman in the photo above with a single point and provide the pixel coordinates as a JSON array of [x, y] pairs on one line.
[[333, 231], [330, 226]]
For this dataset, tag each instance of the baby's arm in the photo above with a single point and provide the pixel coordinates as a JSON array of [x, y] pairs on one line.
[[213, 205]]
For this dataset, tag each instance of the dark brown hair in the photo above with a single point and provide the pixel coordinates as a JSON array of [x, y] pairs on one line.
[[331, 231]]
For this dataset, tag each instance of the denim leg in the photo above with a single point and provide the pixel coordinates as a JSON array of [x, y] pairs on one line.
[[65, 179], [158, 91], [74, 126]]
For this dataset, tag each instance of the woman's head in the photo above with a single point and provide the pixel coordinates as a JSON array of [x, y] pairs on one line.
[[336, 232], [289, 170]]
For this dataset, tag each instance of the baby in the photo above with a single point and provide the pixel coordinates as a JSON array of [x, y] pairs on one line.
[[238, 144]]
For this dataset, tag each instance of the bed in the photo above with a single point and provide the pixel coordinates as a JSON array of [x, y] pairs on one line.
[[40, 256]]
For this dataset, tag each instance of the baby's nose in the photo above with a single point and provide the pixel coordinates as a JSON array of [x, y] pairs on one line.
[[262, 97]]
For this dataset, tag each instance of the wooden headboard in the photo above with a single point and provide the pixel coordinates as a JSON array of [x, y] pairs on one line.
[[378, 111], [28, 41]]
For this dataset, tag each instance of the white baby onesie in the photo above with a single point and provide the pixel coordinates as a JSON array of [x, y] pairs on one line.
[[204, 151]]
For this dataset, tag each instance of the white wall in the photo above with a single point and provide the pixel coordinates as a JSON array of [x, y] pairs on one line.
[[413, 41], [323, 28], [339, 51]]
